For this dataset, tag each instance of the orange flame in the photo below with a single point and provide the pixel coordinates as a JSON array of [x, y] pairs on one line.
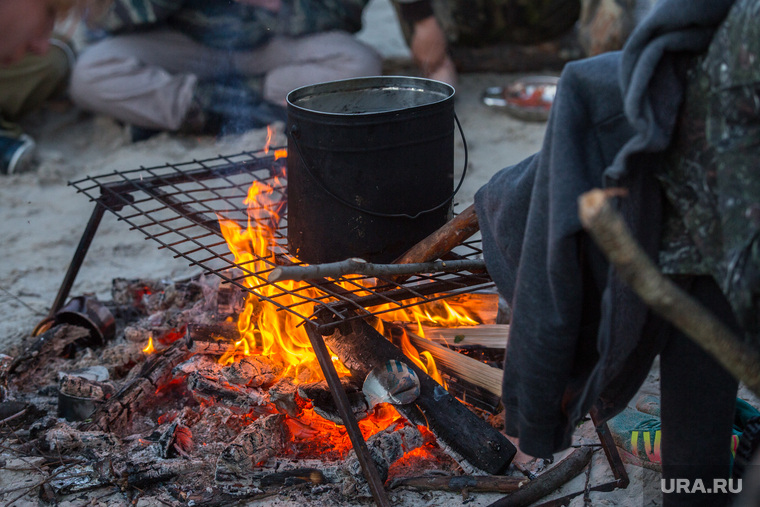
[[278, 154], [149, 348], [279, 334], [264, 329]]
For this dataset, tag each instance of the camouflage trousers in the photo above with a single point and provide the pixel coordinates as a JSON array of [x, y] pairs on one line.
[[603, 25], [713, 182]]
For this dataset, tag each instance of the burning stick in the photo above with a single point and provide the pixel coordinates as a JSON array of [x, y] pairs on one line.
[[445, 239], [360, 266], [610, 232]]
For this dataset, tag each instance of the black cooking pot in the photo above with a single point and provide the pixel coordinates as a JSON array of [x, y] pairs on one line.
[[370, 166]]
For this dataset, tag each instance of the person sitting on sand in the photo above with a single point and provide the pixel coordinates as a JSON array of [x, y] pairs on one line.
[[199, 66], [433, 27], [34, 66]]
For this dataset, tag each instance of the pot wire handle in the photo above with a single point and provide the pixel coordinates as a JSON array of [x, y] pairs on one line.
[[293, 134]]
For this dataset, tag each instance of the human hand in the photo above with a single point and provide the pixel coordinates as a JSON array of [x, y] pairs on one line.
[[429, 50], [272, 5]]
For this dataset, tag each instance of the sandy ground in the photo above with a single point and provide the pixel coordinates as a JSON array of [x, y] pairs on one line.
[[42, 219]]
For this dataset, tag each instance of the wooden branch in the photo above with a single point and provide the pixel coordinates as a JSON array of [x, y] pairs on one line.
[[549, 481], [466, 368], [360, 266], [484, 483], [610, 232], [443, 240]]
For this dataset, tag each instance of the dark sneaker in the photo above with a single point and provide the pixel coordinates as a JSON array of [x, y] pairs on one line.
[[16, 153]]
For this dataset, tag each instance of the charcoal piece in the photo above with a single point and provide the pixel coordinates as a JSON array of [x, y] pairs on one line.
[[55, 342], [214, 339], [86, 383], [175, 441], [239, 399], [261, 440], [137, 334], [292, 477], [64, 439], [252, 371], [386, 447], [17, 414], [143, 382], [69, 479], [322, 400], [283, 395], [205, 366]]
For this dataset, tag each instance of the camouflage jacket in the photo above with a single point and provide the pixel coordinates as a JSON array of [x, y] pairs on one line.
[[713, 179], [229, 24]]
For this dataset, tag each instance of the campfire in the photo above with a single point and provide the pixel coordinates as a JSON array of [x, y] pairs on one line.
[[229, 385]]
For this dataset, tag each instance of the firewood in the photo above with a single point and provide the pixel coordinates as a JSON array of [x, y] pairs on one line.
[[549, 481], [490, 336], [457, 483], [468, 369], [472, 442], [611, 234], [443, 240]]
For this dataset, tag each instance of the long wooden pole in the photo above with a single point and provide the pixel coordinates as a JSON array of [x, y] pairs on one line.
[[610, 232]]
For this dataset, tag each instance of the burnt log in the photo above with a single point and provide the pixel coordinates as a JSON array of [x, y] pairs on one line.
[[252, 371], [258, 442], [143, 382], [238, 399], [213, 339], [386, 447], [54, 342], [457, 483], [283, 395], [318, 393], [467, 438], [549, 481]]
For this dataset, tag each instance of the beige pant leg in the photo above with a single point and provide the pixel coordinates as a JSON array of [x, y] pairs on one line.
[[288, 63], [145, 79], [148, 79]]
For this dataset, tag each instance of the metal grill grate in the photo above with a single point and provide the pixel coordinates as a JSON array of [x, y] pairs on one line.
[[178, 205]]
